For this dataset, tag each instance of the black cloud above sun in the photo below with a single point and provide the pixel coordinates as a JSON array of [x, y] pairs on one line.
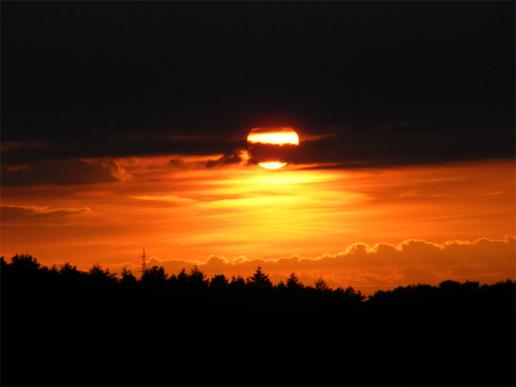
[[373, 84]]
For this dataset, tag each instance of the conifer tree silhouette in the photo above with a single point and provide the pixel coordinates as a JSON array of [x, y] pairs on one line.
[[197, 279], [127, 277], [155, 276], [321, 285], [259, 280], [219, 282], [293, 282]]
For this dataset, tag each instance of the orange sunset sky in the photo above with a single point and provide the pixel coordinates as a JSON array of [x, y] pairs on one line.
[[126, 128], [366, 228]]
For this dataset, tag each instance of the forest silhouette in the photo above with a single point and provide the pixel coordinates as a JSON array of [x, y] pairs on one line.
[[63, 326]]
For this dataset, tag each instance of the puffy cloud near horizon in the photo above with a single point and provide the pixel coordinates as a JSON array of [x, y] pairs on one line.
[[379, 266]]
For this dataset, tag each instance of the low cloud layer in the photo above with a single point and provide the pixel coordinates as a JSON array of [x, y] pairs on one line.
[[379, 266]]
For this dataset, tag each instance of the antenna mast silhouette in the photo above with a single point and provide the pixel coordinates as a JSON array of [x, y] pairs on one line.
[[144, 262]]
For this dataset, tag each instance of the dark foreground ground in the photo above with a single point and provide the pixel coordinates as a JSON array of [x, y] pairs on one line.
[[64, 327]]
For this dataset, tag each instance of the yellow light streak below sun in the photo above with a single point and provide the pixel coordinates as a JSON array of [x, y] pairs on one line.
[[272, 164]]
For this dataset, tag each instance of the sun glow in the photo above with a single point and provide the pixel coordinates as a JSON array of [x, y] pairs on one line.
[[237, 210], [274, 136], [272, 164]]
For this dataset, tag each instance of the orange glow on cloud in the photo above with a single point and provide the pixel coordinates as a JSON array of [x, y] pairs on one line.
[[379, 266], [273, 136], [184, 211]]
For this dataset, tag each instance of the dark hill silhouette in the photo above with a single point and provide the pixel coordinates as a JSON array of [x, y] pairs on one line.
[[62, 326]]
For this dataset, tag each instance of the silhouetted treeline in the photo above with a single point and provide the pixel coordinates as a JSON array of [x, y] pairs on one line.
[[61, 326]]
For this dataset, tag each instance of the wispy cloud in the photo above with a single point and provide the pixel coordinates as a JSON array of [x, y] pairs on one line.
[[11, 212]]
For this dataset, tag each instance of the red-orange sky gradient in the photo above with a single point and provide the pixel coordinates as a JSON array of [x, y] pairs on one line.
[[126, 128], [368, 228]]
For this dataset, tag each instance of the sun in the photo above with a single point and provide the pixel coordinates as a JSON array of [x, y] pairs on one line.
[[271, 145]]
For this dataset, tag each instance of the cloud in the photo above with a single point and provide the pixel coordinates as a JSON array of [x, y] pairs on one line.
[[370, 267], [64, 172], [112, 145], [237, 156], [173, 200], [383, 146], [342, 146], [12, 212], [231, 158], [386, 100], [115, 168]]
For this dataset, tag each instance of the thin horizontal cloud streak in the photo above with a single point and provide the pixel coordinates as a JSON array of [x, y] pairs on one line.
[[401, 146], [11, 212]]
